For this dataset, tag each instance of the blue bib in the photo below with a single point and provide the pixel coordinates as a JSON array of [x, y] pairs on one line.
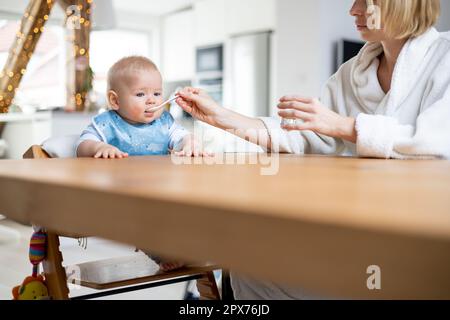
[[135, 139]]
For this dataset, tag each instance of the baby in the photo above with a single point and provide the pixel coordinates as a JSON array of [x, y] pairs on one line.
[[130, 128]]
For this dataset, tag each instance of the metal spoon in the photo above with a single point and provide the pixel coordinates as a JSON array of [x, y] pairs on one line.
[[162, 105]]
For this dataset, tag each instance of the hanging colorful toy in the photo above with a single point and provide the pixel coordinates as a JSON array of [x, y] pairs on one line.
[[34, 287], [38, 248]]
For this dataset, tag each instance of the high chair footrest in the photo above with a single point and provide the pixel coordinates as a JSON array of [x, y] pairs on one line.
[[125, 271]]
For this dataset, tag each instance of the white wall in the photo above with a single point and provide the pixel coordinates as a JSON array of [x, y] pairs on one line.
[[307, 33], [298, 63], [244, 16], [209, 22], [444, 21], [335, 24], [144, 23], [177, 45]]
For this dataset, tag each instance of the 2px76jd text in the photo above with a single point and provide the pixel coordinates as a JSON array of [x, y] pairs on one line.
[[228, 309]]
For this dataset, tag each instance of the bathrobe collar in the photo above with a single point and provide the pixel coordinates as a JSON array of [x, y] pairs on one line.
[[408, 68]]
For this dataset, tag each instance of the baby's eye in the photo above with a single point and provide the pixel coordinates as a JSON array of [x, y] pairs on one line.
[[140, 94], [157, 94]]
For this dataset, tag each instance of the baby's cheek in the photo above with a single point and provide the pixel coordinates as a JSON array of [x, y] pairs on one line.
[[136, 111]]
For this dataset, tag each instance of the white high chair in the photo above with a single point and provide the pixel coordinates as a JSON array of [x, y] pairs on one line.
[[111, 276]]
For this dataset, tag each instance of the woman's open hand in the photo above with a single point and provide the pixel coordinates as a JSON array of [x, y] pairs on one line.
[[316, 117]]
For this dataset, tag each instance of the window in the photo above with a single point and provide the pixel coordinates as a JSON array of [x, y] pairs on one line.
[[44, 83], [109, 46]]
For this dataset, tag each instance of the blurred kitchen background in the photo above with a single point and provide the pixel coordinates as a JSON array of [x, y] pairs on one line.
[[245, 53]]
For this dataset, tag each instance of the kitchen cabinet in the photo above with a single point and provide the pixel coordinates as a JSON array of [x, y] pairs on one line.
[[209, 22], [217, 20], [247, 16], [178, 49]]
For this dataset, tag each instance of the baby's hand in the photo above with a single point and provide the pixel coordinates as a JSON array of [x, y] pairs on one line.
[[192, 148], [106, 151]]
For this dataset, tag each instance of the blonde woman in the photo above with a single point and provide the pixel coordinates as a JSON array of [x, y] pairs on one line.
[[391, 101]]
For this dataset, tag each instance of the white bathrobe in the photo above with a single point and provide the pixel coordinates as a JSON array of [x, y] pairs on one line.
[[411, 121]]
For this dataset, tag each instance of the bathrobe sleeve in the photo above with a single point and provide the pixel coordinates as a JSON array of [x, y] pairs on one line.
[[384, 137], [306, 142]]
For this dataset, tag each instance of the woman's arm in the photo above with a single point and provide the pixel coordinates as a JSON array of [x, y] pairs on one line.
[[197, 103], [265, 132], [247, 128], [384, 137]]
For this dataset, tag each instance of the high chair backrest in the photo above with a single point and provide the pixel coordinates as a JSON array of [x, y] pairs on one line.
[[57, 147], [61, 147], [36, 152]]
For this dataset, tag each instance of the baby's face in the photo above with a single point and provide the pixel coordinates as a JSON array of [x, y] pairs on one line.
[[137, 94]]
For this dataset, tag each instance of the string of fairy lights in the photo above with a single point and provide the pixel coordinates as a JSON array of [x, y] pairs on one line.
[[79, 57], [30, 30]]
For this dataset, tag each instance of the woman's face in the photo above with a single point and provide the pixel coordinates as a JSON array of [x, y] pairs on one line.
[[368, 20]]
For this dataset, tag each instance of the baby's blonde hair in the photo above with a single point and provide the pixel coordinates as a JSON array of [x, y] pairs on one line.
[[126, 67], [408, 18]]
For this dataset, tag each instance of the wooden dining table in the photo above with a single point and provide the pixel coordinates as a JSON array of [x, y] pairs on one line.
[[338, 227]]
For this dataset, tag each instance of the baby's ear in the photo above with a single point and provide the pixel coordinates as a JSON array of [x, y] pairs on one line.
[[113, 100]]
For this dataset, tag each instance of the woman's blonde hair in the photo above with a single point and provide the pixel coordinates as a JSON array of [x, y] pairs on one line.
[[408, 18]]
